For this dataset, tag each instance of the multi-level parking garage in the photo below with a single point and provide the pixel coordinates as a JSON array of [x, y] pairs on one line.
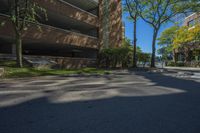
[[73, 29]]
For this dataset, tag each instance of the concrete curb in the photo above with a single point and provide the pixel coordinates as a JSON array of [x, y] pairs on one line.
[[183, 68]]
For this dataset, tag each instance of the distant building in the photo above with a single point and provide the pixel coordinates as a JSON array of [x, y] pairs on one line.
[[179, 19], [75, 29], [194, 52], [192, 20]]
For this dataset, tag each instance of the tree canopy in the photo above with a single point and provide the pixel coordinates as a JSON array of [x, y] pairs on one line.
[[167, 36], [187, 37], [165, 41], [158, 12], [21, 14]]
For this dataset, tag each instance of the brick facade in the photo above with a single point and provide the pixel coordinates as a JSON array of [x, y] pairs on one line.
[[106, 27], [110, 19], [49, 35], [69, 10]]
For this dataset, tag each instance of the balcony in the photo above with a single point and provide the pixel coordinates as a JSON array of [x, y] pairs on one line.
[[68, 10], [49, 35], [87, 5]]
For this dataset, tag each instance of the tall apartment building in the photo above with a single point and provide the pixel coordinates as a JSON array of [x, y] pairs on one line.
[[76, 29]]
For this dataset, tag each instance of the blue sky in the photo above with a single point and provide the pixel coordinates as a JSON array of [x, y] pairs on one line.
[[144, 32]]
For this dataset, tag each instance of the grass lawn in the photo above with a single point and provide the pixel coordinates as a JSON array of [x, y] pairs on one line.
[[11, 71]]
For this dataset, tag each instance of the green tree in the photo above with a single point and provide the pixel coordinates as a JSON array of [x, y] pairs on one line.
[[21, 14], [158, 12], [132, 8], [166, 53], [138, 50], [126, 43], [144, 58], [187, 38], [165, 41], [167, 36], [115, 57]]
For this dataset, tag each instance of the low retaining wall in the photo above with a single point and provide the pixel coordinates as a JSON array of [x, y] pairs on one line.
[[64, 62], [7, 57], [74, 63], [54, 61]]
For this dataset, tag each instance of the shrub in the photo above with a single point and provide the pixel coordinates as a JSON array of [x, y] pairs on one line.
[[193, 64], [144, 58], [180, 64], [115, 57], [171, 63]]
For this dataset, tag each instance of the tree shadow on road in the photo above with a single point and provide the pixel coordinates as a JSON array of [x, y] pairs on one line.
[[169, 81], [171, 113]]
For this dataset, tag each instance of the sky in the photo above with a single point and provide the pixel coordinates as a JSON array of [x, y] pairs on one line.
[[144, 33]]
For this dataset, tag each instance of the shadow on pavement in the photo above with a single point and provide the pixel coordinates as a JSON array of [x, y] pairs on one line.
[[173, 113]]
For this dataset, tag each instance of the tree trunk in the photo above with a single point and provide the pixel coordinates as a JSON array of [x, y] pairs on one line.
[[188, 55], [135, 42], [174, 56], [19, 50], [155, 34]]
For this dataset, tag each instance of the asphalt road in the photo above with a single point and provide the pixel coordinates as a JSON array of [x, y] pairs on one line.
[[120, 103]]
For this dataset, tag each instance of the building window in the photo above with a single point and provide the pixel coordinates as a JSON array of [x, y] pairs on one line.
[[194, 22], [191, 23]]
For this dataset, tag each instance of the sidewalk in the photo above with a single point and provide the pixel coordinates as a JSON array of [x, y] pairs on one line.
[[183, 68]]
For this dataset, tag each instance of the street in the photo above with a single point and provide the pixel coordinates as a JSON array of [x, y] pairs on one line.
[[122, 102]]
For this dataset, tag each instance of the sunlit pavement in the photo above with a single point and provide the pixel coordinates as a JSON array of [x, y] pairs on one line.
[[123, 102], [184, 68]]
